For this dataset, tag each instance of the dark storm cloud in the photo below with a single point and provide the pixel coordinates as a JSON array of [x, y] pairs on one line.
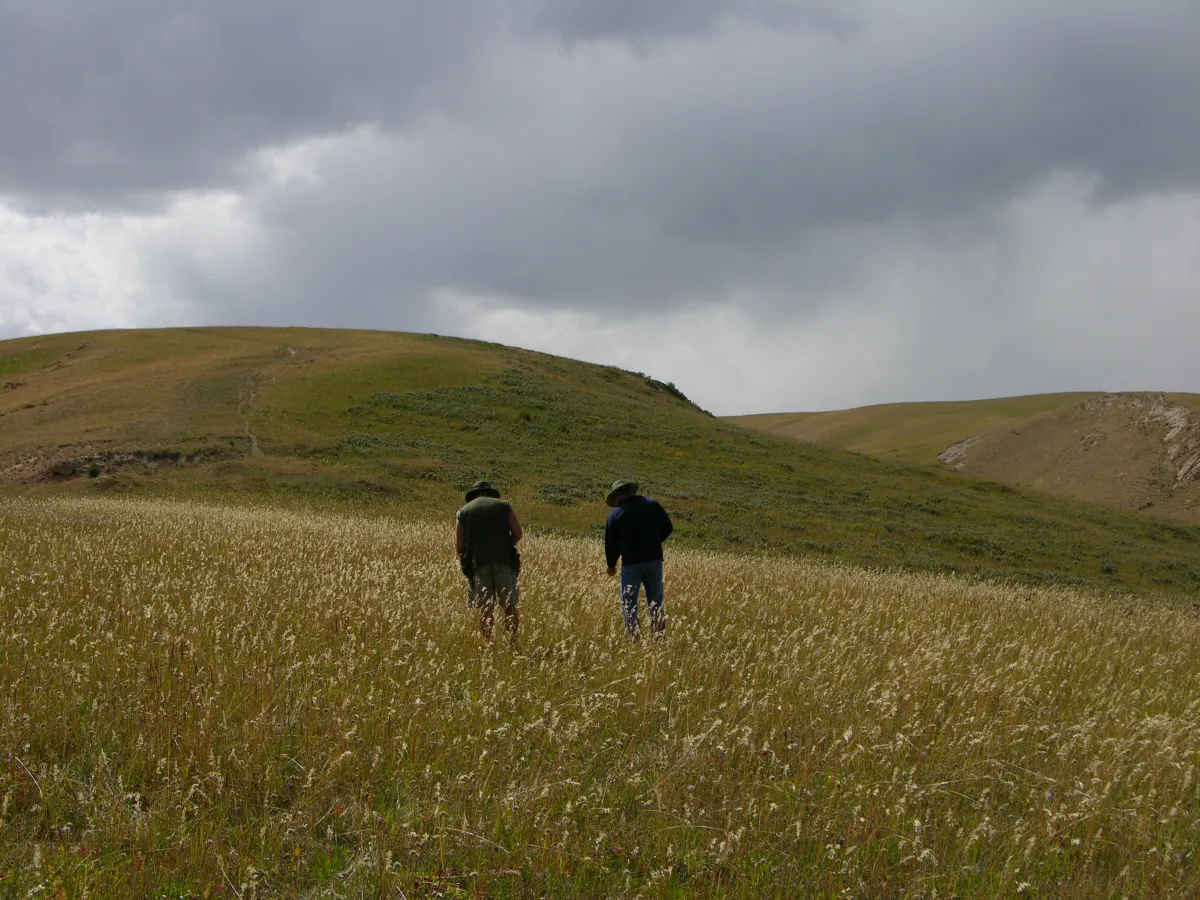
[[935, 114], [101, 98], [739, 161], [850, 111], [400, 164], [110, 101]]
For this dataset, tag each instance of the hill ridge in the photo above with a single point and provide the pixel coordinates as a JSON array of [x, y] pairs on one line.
[[391, 420]]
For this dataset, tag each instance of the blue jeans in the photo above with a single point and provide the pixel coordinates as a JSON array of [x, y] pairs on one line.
[[633, 578]]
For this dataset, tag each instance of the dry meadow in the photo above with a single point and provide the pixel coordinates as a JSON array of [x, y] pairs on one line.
[[206, 701]]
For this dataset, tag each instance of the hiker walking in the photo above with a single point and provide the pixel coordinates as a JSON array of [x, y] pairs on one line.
[[634, 533], [486, 540]]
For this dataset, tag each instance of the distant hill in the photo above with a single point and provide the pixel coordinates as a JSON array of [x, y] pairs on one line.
[[404, 422], [916, 432], [1137, 451]]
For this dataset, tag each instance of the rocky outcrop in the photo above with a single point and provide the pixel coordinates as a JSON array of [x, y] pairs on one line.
[[1181, 444], [956, 457]]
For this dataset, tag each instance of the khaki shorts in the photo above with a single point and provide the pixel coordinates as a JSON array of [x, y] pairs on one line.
[[493, 583]]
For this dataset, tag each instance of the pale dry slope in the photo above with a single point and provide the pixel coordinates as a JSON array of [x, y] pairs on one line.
[[1128, 450], [916, 432], [1139, 451]]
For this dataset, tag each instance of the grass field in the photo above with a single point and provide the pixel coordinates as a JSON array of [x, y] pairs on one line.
[[209, 701], [382, 422]]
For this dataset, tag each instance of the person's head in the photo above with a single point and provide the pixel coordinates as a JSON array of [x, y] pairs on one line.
[[620, 490], [482, 489]]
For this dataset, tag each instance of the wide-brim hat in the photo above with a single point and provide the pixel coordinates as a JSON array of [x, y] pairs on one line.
[[621, 490], [482, 489]]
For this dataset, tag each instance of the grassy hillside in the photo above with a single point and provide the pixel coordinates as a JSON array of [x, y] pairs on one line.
[[915, 432], [406, 422]]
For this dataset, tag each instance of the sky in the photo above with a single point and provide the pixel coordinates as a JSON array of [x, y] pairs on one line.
[[775, 204]]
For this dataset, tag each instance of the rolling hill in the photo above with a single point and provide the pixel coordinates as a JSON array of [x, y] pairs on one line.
[[1138, 451], [915, 432], [392, 422]]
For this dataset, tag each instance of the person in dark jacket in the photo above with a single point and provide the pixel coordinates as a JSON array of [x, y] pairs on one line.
[[634, 533], [486, 539]]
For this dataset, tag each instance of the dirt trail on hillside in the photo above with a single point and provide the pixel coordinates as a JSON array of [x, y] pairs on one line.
[[1136, 450], [245, 403]]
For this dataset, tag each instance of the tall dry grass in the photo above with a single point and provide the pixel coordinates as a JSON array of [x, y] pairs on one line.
[[202, 701]]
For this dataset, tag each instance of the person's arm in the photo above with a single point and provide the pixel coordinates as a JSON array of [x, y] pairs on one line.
[[612, 543], [514, 526], [460, 540], [665, 525]]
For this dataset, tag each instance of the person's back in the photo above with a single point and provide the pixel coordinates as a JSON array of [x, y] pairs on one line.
[[635, 531], [486, 537], [486, 533]]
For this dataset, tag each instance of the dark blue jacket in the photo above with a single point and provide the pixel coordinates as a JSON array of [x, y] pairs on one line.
[[635, 531]]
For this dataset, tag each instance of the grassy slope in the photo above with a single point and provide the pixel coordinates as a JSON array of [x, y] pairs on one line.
[[916, 432], [409, 420]]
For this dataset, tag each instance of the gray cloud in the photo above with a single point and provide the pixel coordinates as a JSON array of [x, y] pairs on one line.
[[646, 24], [907, 105], [609, 176], [110, 99], [580, 162]]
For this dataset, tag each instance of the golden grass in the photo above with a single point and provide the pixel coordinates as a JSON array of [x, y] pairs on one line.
[[206, 701]]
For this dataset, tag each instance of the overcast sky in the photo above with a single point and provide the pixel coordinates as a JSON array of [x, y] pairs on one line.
[[776, 204]]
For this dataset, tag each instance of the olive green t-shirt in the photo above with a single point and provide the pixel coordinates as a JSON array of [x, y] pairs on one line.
[[486, 533]]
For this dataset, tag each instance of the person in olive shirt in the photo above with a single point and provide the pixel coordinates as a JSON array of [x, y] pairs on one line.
[[634, 533], [486, 538]]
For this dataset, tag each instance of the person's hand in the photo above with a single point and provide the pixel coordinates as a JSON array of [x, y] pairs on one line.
[[612, 571]]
